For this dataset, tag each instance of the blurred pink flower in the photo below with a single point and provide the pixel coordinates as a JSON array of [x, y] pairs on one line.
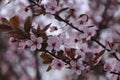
[[34, 43], [89, 32], [22, 45], [77, 67], [82, 49], [64, 40], [52, 7], [53, 28], [12, 40], [107, 67], [54, 43], [57, 64]]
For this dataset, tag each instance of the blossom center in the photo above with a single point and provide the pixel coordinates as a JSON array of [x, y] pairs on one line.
[[35, 42], [76, 40], [59, 64], [89, 33], [52, 8], [53, 44], [77, 68]]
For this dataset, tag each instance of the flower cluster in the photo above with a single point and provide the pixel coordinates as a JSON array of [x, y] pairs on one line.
[[68, 39]]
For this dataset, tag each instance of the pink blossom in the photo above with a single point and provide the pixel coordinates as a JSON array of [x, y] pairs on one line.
[[11, 56], [4, 68], [87, 68], [22, 45], [64, 40], [57, 64], [53, 28], [51, 7], [114, 77], [74, 41], [107, 67], [96, 48], [80, 23], [53, 43], [89, 32], [12, 40], [82, 49], [117, 64], [34, 43], [77, 67]]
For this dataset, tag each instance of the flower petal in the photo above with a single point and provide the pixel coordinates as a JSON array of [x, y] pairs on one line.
[[39, 46], [33, 48], [29, 43], [39, 39], [33, 37]]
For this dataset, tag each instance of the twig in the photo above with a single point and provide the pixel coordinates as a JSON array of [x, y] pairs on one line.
[[38, 76]]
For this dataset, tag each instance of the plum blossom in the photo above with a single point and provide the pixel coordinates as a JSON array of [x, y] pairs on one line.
[[53, 28], [12, 40], [82, 49], [77, 67], [114, 77], [81, 22], [57, 64], [107, 67], [53, 43], [34, 42], [117, 65], [89, 32], [73, 42], [64, 40], [96, 48], [22, 45], [51, 7]]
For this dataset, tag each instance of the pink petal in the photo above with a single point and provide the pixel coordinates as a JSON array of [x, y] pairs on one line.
[[29, 43], [73, 63], [39, 39], [78, 72], [33, 48], [33, 37], [39, 46], [49, 48]]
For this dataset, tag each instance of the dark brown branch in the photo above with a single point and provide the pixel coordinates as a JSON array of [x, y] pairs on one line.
[[115, 73], [115, 56], [57, 57]]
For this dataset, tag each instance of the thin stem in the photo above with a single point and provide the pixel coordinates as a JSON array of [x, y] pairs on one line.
[[67, 22], [57, 57], [115, 56], [38, 76], [115, 73]]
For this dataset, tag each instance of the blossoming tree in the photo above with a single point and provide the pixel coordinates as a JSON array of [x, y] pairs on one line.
[[59, 34]]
